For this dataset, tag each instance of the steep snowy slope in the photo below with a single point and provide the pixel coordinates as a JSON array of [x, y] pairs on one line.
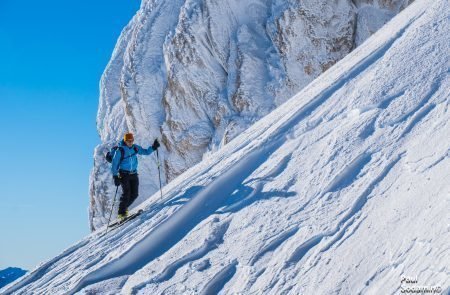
[[184, 71], [342, 190]]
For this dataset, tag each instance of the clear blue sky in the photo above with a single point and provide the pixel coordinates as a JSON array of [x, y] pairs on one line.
[[52, 55]]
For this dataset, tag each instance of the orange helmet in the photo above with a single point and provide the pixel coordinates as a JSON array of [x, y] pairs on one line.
[[128, 136]]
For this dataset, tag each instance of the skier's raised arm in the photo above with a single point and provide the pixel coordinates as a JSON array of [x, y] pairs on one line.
[[150, 149]]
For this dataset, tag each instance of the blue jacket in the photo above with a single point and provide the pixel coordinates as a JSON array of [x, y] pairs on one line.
[[130, 160]]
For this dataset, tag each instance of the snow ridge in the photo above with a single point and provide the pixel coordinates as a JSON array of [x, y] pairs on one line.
[[220, 279]]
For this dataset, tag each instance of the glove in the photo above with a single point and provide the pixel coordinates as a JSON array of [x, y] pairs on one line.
[[155, 145], [116, 180]]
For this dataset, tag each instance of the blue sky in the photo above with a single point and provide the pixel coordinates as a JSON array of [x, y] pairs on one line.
[[52, 55]]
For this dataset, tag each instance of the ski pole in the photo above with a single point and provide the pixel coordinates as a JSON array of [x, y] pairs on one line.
[[112, 208], [159, 172]]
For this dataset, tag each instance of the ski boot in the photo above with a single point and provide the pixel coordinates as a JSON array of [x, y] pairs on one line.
[[122, 217]]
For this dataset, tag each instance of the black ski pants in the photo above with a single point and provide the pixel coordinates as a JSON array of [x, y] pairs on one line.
[[130, 189]]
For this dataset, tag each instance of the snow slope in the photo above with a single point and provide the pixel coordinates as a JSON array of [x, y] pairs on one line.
[[342, 190]]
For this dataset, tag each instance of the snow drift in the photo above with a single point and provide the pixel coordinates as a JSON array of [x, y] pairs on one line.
[[341, 190]]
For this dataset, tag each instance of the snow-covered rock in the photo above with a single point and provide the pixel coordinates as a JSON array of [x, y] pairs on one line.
[[341, 190], [197, 73]]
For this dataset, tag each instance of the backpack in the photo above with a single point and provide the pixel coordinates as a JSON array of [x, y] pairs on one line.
[[109, 155]]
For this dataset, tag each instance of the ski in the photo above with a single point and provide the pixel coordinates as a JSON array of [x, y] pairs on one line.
[[128, 218]]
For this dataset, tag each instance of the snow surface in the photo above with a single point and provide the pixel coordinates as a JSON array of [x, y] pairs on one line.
[[342, 190]]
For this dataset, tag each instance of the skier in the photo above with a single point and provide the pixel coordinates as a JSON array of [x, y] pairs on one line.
[[124, 170]]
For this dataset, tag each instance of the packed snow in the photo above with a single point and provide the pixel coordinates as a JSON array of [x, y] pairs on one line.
[[343, 189]]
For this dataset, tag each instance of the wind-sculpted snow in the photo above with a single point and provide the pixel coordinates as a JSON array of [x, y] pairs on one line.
[[184, 71], [349, 174], [343, 189], [273, 244], [210, 243], [220, 279]]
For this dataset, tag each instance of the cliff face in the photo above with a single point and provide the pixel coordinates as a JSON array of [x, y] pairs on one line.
[[196, 73]]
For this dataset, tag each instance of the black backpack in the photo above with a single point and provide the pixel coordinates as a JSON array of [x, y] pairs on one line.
[[109, 155]]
